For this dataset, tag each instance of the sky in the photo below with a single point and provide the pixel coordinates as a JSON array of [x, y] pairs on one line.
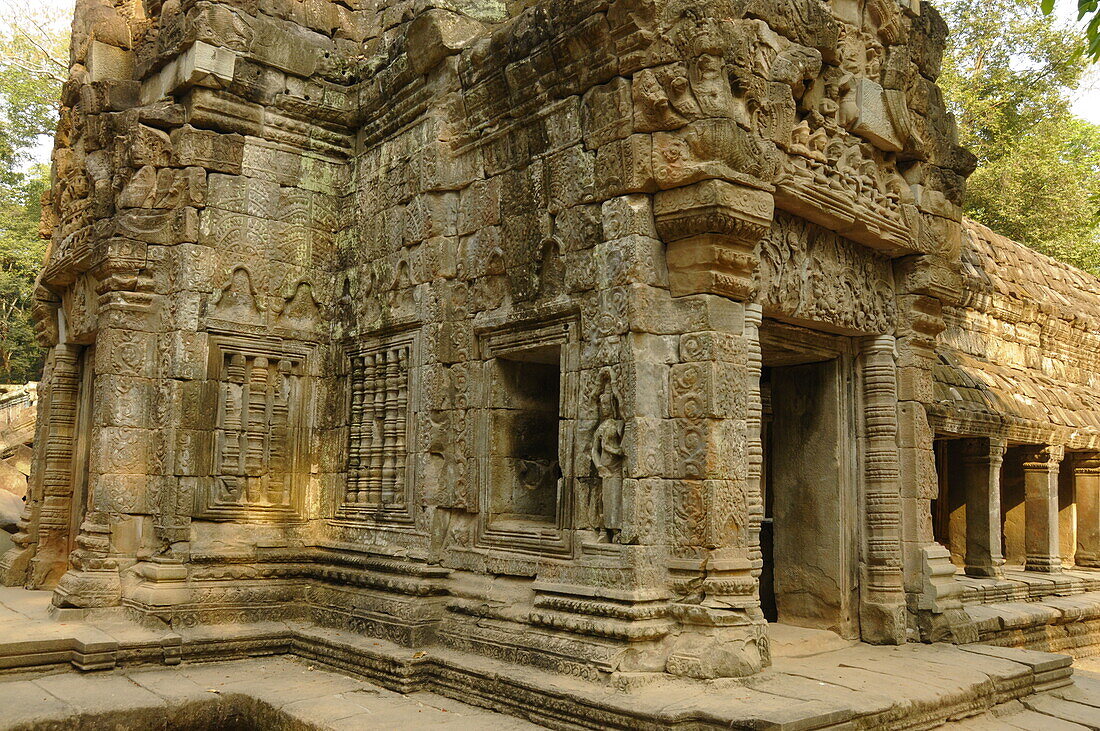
[[1086, 101]]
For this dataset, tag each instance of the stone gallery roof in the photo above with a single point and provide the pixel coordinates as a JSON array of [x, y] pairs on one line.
[[1021, 354]]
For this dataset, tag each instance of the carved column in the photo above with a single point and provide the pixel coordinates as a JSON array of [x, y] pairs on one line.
[[1086, 486], [882, 610], [1040, 467], [982, 482], [754, 450]]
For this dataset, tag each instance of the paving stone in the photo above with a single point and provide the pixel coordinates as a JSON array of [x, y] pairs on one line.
[[1032, 721], [25, 703], [1085, 715], [1038, 661]]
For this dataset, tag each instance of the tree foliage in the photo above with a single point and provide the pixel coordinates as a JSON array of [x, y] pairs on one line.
[[31, 73], [1008, 74], [21, 252], [1088, 13]]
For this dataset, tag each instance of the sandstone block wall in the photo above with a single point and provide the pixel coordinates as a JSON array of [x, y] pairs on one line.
[[443, 321]]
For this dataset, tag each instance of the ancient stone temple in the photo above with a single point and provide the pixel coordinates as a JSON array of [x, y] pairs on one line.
[[590, 336]]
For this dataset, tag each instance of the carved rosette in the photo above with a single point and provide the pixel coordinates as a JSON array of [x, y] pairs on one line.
[[711, 229]]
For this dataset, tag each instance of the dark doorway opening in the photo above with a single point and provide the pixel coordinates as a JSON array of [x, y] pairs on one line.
[[808, 481]]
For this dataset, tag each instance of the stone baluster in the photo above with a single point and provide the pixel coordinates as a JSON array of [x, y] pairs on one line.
[[378, 418], [355, 481], [982, 460], [389, 434], [400, 446], [1040, 466]]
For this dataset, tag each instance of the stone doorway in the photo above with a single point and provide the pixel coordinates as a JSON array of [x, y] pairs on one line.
[[808, 536]]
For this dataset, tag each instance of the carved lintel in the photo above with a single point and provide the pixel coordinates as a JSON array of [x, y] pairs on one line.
[[711, 229]]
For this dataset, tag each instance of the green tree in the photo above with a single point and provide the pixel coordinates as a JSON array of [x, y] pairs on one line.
[[1008, 74], [32, 69], [21, 253], [1088, 13]]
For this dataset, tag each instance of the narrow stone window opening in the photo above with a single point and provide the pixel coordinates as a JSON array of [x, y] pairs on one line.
[[525, 471]]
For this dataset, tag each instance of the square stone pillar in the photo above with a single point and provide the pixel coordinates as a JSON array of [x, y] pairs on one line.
[[1086, 486], [982, 460], [1040, 465]]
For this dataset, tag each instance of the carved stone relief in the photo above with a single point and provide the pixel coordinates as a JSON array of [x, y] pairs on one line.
[[809, 273], [260, 429]]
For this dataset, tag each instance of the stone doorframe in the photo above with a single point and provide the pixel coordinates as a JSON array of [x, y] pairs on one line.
[[876, 508], [45, 535], [784, 345]]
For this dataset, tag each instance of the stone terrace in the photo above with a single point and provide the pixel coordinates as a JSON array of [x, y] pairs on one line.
[[299, 676]]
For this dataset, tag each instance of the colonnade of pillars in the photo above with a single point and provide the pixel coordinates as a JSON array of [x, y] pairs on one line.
[[1040, 528]]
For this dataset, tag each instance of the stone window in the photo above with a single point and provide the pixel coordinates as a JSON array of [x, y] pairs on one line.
[[380, 434], [523, 427], [258, 430]]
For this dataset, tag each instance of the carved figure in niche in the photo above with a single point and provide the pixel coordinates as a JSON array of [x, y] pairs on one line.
[[237, 301], [551, 272], [664, 97], [300, 308], [607, 457], [819, 140], [847, 110]]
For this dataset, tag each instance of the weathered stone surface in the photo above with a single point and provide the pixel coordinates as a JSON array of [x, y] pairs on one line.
[[583, 336]]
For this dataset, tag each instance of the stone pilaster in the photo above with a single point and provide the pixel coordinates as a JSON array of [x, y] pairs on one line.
[[1086, 487], [712, 568], [121, 457], [15, 563], [982, 482], [43, 541], [927, 282], [710, 230], [1040, 467]]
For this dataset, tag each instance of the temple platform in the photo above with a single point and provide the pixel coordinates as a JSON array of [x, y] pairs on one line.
[[102, 669]]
